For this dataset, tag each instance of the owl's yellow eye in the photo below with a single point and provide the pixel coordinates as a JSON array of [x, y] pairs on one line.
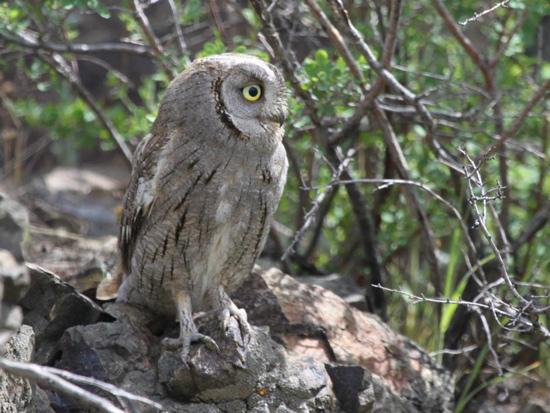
[[252, 92]]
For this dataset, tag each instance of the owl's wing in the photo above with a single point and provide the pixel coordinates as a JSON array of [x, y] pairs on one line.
[[138, 199], [137, 204]]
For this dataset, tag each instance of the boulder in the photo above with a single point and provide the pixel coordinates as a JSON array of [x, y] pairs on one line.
[[51, 306], [309, 351]]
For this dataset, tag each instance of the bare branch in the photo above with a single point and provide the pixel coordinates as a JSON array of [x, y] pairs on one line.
[[28, 40], [38, 374], [107, 387], [477, 16], [442, 154], [60, 66], [309, 218], [489, 238], [152, 38], [176, 18]]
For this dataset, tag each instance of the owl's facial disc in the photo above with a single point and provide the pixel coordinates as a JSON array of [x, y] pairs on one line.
[[254, 99]]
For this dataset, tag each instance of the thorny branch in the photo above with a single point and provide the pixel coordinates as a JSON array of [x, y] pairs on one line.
[[518, 316]]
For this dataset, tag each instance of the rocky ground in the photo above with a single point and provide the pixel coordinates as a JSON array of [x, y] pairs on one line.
[[310, 350]]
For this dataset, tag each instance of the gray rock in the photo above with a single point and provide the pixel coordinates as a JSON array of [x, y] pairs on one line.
[[214, 377], [51, 306], [16, 393], [127, 353], [14, 226], [14, 280], [303, 359]]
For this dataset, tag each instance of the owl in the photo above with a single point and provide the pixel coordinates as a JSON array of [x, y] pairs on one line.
[[203, 190]]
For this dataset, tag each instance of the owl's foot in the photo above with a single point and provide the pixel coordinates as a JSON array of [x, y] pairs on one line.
[[238, 314], [186, 341], [229, 313], [232, 311], [188, 330]]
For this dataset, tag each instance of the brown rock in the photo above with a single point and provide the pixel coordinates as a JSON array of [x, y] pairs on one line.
[[359, 349]]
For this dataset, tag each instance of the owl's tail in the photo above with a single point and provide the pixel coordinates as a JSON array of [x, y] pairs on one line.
[[108, 287]]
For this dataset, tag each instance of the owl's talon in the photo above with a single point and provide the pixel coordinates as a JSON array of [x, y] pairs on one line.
[[206, 340], [185, 344], [241, 317]]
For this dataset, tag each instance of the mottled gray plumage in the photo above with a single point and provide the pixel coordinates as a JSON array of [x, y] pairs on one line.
[[204, 187]]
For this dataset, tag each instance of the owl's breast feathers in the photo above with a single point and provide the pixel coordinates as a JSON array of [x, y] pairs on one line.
[[196, 220]]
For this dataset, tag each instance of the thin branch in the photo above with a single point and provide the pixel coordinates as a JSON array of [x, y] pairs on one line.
[[152, 38], [309, 218], [303, 198], [107, 387], [416, 299], [108, 68], [366, 102], [464, 41], [535, 99], [28, 40], [38, 374], [441, 153], [504, 45], [176, 19], [490, 240], [506, 311], [61, 67], [477, 16], [518, 121], [404, 172], [391, 35], [384, 183], [323, 211], [337, 40]]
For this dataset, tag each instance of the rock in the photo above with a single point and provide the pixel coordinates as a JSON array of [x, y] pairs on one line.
[[16, 340], [322, 325], [41, 401], [212, 377], [309, 351], [79, 199], [51, 306], [16, 393], [14, 280], [341, 285], [14, 226], [127, 353]]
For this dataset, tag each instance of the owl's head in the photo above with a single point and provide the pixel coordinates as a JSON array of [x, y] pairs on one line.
[[231, 95]]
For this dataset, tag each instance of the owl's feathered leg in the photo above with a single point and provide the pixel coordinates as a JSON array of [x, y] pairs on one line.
[[188, 331]]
